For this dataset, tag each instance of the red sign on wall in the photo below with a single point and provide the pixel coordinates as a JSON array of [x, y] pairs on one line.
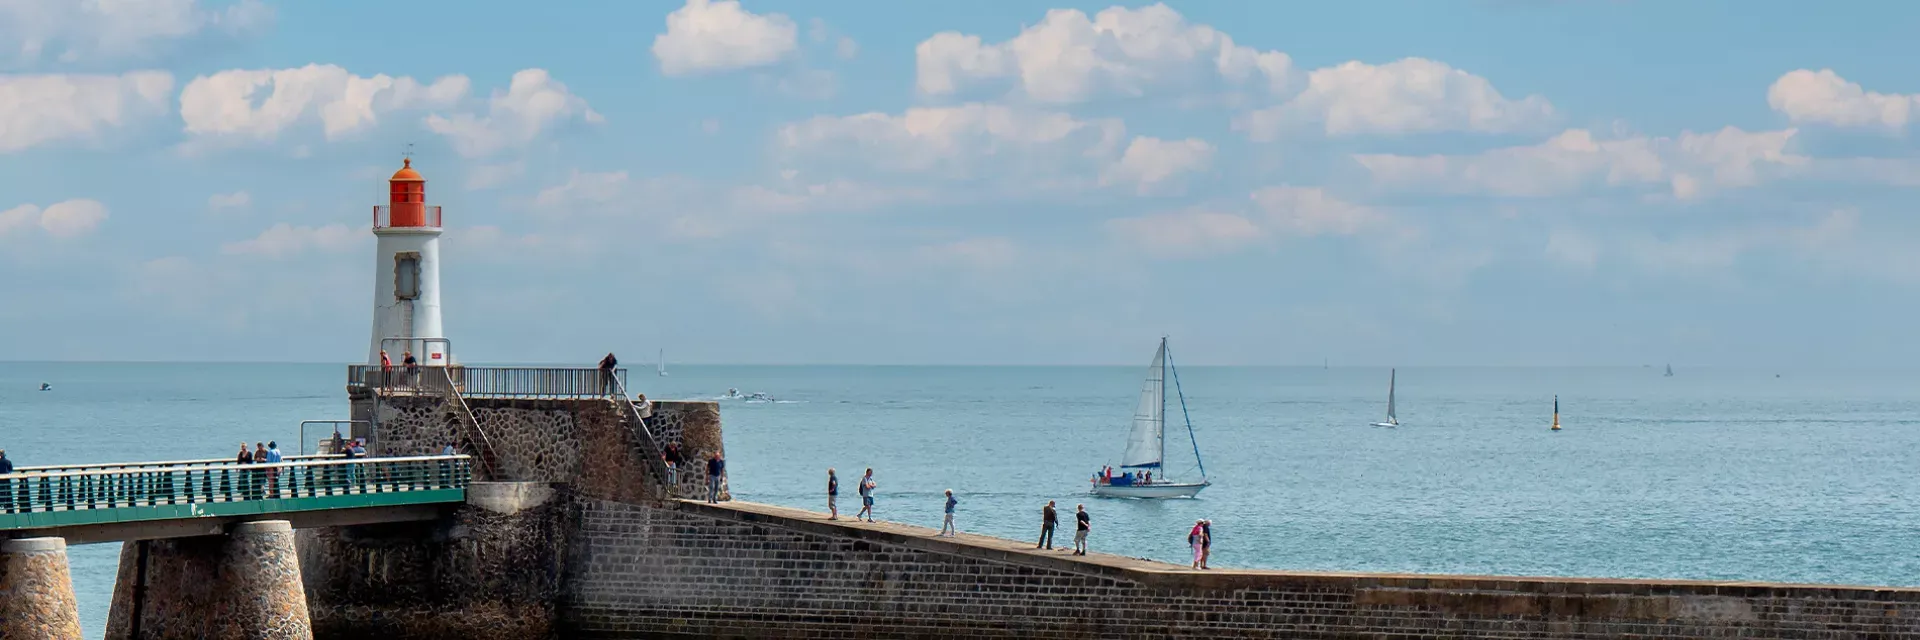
[[435, 356]]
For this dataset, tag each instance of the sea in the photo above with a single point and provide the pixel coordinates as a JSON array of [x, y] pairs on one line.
[[1723, 474]]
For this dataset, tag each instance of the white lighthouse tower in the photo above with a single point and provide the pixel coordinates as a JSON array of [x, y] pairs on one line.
[[406, 268]]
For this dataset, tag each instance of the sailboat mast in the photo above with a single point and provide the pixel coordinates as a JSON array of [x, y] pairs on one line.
[[1165, 359], [1182, 394]]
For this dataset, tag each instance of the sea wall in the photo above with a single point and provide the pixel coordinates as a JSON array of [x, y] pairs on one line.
[[492, 570], [585, 444], [498, 567], [742, 570]]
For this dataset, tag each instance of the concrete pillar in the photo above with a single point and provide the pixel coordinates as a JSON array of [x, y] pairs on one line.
[[36, 591], [243, 586]]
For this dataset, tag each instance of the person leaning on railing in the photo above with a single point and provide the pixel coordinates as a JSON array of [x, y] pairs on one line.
[[6, 485]]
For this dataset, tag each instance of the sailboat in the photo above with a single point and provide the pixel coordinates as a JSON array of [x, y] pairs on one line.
[[1391, 420], [1669, 370], [1142, 471], [660, 363], [1556, 412]]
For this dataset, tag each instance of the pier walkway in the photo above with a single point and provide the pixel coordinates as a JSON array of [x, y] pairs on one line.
[[149, 500]]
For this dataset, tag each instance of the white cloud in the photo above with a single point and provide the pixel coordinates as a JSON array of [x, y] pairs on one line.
[[1152, 164], [957, 141], [718, 35], [1310, 211], [1069, 57], [846, 48], [1574, 161], [284, 241], [686, 208], [235, 200], [532, 103], [258, 105], [66, 219], [38, 109], [77, 30], [1823, 97], [1275, 212], [1186, 233], [1412, 95]]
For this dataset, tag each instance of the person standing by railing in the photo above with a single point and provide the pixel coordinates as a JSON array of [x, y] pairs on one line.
[[6, 485], [273, 472], [674, 460], [235, 488], [607, 383], [386, 370], [258, 479], [413, 368]]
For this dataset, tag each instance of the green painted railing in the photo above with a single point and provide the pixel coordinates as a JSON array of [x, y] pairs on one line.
[[43, 499]]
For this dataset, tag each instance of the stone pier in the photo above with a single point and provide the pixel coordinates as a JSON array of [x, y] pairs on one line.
[[243, 585], [36, 591], [491, 570]]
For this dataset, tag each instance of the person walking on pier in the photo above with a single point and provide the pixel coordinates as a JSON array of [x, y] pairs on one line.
[[715, 467], [946, 528], [1048, 519], [833, 493], [606, 374], [1197, 538], [1082, 522], [866, 496], [1206, 542], [6, 486]]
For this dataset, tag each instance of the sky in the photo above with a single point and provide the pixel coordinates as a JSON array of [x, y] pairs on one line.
[[1472, 182]]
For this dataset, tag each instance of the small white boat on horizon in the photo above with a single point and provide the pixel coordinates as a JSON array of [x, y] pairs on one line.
[[1391, 420], [1146, 452], [660, 363]]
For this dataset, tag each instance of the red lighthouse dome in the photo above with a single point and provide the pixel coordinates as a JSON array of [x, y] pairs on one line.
[[407, 204]]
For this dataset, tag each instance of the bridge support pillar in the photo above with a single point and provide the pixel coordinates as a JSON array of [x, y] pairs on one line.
[[243, 585], [36, 591]]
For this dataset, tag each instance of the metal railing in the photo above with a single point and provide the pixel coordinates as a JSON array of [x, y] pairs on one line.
[[43, 499], [490, 382], [651, 449], [136, 466], [383, 216]]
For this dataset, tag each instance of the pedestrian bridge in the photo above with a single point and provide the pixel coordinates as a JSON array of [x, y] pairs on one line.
[[151, 500]]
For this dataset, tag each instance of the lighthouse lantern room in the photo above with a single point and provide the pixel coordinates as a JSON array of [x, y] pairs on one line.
[[406, 283]]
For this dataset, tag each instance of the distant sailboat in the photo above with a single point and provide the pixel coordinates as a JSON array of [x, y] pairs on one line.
[[1147, 442], [1556, 412], [46, 387], [1391, 420], [1669, 370], [660, 363]]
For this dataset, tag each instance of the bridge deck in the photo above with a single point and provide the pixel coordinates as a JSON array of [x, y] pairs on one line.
[[103, 495]]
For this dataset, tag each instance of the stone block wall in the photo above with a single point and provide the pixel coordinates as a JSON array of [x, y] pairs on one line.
[[693, 570], [583, 443], [492, 570]]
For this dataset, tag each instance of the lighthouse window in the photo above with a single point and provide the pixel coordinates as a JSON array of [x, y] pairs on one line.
[[406, 276]]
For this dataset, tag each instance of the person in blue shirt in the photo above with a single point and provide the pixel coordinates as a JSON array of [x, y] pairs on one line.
[[947, 529]]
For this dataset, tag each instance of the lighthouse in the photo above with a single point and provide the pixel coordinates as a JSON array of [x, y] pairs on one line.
[[406, 268]]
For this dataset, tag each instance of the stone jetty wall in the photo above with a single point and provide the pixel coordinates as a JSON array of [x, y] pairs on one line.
[[585, 444], [498, 567], [36, 591], [742, 570], [492, 570]]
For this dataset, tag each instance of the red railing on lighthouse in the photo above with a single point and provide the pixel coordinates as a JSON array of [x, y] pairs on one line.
[[383, 217]]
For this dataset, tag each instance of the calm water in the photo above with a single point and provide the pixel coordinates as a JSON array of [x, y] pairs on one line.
[[1713, 474]]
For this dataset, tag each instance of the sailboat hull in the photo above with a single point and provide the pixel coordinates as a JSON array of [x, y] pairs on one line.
[[1386, 424], [1156, 490]]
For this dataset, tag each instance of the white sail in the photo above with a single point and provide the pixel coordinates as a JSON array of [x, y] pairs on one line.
[[1145, 444], [1391, 375], [660, 362]]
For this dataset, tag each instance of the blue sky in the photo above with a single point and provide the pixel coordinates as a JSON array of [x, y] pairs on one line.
[[1487, 182]]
